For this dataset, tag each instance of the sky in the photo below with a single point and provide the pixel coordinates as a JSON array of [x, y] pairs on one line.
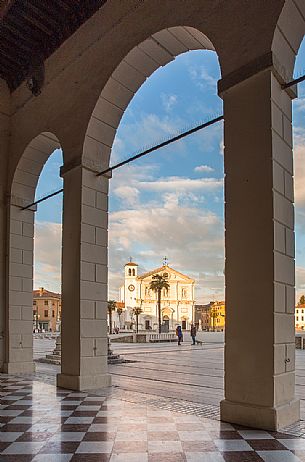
[[171, 202]]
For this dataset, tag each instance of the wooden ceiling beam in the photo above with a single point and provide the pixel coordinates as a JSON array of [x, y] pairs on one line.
[[21, 31], [10, 40], [5, 5], [38, 24], [8, 57], [6, 64], [32, 30], [42, 16]]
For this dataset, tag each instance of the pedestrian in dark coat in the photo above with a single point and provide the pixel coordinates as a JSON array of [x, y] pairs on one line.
[[193, 333], [179, 334]]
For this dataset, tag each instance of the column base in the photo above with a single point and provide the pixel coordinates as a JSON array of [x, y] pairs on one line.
[[265, 418], [19, 368], [83, 382]]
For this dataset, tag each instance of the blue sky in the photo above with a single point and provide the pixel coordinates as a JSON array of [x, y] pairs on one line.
[[170, 202]]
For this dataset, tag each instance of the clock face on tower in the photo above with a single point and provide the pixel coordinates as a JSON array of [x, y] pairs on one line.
[[131, 287]]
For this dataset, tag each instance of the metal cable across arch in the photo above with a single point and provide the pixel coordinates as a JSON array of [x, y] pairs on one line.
[[167, 142], [164, 143]]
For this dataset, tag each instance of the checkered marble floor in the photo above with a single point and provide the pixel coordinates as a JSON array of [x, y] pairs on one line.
[[39, 422]]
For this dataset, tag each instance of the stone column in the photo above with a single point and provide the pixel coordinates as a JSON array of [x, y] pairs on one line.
[[260, 273], [4, 147], [84, 279], [19, 308]]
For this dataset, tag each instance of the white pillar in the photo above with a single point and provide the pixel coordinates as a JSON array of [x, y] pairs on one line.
[[259, 220], [84, 277]]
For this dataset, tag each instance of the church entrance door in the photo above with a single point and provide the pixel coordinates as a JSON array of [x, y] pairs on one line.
[[165, 326]]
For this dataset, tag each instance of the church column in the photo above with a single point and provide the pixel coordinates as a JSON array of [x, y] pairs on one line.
[[84, 279], [259, 241]]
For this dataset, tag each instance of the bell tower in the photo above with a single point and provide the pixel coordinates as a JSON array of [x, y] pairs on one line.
[[131, 289]]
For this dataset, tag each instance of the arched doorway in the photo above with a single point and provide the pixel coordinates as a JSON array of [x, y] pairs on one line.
[[19, 352]]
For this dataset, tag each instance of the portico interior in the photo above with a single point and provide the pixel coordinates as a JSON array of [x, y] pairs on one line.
[[73, 94]]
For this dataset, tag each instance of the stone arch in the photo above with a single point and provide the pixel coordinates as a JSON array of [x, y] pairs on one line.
[[138, 65], [288, 35], [19, 316]]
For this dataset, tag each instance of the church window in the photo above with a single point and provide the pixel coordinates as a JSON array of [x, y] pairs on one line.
[[184, 293], [129, 272], [147, 292], [133, 272], [165, 275]]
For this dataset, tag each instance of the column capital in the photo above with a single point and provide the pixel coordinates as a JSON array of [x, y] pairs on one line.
[[86, 164], [268, 61], [21, 202]]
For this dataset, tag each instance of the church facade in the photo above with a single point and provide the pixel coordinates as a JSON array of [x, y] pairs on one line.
[[177, 303]]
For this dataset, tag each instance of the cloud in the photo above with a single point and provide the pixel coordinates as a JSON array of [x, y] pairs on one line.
[[47, 255], [192, 238], [203, 78], [299, 169], [168, 101], [203, 169], [174, 183], [128, 195], [221, 147], [300, 282]]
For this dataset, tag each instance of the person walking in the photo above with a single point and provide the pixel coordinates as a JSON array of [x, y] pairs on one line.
[[193, 333], [179, 334]]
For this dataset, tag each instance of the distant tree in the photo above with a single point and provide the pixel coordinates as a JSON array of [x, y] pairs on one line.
[[111, 308], [157, 284], [137, 311], [119, 310], [302, 300]]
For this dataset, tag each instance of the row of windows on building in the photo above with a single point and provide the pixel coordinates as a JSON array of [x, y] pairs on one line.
[[46, 302], [46, 313]]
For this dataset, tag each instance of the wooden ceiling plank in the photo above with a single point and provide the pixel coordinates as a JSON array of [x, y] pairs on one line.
[[6, 49], [8, 65], [38, 24], [9, 58], [40, 13], [34, 29], [63, 4], [16, 44], [20, 33], [4, 9]]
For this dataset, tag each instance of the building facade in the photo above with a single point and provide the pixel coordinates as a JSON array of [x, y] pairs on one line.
[[300, 317], [211, 317], [46, 311], [177, 303]]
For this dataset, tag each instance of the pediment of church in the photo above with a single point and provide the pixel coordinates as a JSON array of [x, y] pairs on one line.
[[172, 275]]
